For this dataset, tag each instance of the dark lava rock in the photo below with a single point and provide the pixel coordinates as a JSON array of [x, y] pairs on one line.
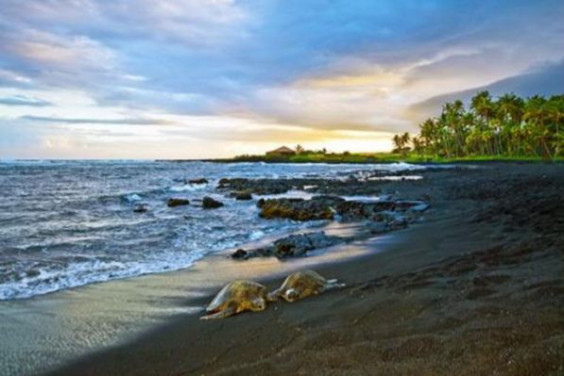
[[328, 199], [354, 211], [198, 181], [210, 203], [140, 208], [174, 202], [240, 254], [326, 207], [348, 186], [392, 219], [296, 209], [291, 246], [257, 186], [243, 196], [299, 245]]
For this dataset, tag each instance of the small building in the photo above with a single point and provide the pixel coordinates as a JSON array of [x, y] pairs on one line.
[[282, 151]]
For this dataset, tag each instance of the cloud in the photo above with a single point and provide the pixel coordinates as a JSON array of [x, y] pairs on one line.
[[21, 100], [541, 80], [129, 121], [186, 21], [324, 67], [13, 79], [50, 60]]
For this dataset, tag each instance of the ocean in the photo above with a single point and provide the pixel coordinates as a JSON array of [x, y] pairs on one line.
[[70, 223]]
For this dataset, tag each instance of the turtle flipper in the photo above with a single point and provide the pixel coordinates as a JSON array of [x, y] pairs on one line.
[[273, 296], [229, 311], [333, 284]]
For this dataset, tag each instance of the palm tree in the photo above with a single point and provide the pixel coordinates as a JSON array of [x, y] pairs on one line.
[[555, 122], [398, 143], [428, 131], [535, 113], [482, 105], [299, 149], [507, 126], [417, 145], [405, 138], [509, 115]]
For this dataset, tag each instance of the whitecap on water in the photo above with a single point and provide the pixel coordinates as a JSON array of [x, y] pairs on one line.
[[255, 235], [132, 197], [395, 178], [115, 243], [187, 187]]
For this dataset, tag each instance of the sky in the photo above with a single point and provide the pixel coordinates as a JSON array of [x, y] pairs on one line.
[[217, 78]]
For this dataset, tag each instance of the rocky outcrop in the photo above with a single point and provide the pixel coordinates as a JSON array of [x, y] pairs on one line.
[[174, 202], [257, 186], [244, 196], [210, 203], [240, 254], [333, 207], [198, 181], [140, 208], [241, 196], [387, 222], [295, 209], [345, 186], [291, 246], [299, 245]]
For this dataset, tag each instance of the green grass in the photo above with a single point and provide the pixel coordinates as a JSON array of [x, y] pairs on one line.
[[382, 158]]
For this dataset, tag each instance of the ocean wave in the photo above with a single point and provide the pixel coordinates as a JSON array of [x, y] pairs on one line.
[[35, 276], [188, 187], [45, 280], [128, 197], [78, 227], [133, 197]]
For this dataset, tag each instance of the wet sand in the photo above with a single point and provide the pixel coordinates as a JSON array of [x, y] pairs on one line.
[[49, 330], [476, 289]]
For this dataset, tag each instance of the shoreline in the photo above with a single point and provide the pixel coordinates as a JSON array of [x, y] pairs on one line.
[[476, 289], [411, 296], [61, 326], [213, 271], [375, 161], [369, 161]]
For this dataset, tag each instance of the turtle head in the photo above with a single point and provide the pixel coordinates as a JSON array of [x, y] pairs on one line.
[[258, 304], [291, 295]]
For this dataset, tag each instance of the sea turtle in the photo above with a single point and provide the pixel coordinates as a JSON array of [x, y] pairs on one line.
[[302, 284], [236, 297]]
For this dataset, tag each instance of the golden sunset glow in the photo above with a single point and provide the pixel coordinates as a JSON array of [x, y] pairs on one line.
[[241, 77]]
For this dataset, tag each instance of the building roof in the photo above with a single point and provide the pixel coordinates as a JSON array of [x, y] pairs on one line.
[[282, 149]]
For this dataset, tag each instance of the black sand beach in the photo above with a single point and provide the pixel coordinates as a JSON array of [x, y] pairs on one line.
[[476, 288]]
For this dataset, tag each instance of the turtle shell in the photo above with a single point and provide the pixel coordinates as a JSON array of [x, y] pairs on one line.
[[236, 291], [305, 278]]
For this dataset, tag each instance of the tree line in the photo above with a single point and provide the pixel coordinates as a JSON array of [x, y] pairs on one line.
[[507, 126]]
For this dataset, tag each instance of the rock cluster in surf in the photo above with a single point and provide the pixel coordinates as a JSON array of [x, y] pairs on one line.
[[292, 246], [333, 207], [210, 203]]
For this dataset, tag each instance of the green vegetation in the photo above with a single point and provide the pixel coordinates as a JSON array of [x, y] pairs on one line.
[[381, 158], [308, 156], [507, 129], [504, 129]]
